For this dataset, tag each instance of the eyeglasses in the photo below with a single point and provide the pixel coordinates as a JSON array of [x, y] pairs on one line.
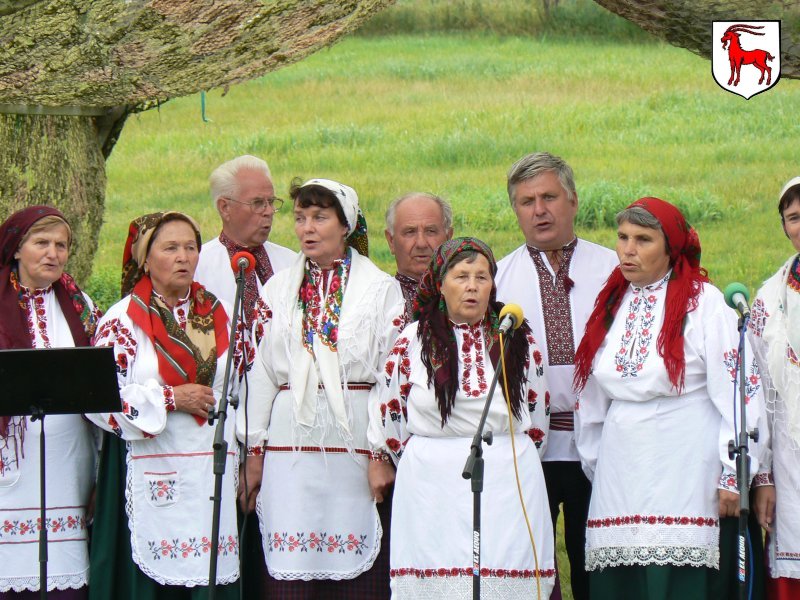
[[259, 205]]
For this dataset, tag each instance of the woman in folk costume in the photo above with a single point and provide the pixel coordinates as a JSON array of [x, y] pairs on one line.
[[326, 326], [775, 334], [170, 339], [437, 376], [42, 307], [656, 368]]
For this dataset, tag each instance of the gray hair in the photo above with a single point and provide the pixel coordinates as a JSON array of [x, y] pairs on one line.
[[637, 215], [533, 165], [222, 182], [447, 210]]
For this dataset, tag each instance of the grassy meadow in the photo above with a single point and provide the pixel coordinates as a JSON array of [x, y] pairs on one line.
[[449, 113], [411, 105]]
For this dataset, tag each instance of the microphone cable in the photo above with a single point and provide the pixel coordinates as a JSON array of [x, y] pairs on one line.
[[537, 572], [245, 514]]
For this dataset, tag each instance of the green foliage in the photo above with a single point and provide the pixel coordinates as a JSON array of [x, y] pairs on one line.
[[103, 286], [568, 18], [450, 114], [584, 19], [602, 200]]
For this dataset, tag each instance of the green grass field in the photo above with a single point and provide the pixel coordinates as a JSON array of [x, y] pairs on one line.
[[450, 113]]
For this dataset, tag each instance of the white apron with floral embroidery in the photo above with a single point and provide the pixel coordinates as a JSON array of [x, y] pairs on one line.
[[318, 518], [300, 540], [657, 457], [431, 554], [431, 538], [169, 511], [70, 473], [170, 474], [70, 457]]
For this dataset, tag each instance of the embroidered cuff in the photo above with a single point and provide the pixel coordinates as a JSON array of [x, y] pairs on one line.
[[169, 398], [762, 479], [257, 450], [380, 456], [727, 481]]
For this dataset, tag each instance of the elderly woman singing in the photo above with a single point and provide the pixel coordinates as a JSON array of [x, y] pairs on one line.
[[327, 324], [42, 307], [438, 376], [170, 338], [656, 367]]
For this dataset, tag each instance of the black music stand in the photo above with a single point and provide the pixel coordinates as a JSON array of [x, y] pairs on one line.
[[56, 381]]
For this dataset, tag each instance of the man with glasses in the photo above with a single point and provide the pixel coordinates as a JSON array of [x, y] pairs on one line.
[[242, 192]]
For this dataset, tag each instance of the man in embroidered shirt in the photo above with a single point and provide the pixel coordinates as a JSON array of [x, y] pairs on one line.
[[244, 196], [556, 277], [242, 192], [416, 224]]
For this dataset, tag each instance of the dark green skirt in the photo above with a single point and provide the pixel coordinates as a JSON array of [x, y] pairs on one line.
[[113, 574], [670, 582], [651, 582]]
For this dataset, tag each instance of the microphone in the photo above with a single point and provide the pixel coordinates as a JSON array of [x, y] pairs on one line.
[[736, 296], [243, 261], [510, 317]]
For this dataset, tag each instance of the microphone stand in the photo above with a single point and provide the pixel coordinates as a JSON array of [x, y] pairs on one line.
[[473, 470], [39, 414], [740, 451], [220, 444]]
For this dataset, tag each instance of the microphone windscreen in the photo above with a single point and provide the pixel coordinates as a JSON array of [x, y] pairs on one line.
[[515, 310], [251, 261], [735, 288]]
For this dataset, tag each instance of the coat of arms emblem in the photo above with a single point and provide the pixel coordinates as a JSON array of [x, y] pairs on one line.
[[746, 56]]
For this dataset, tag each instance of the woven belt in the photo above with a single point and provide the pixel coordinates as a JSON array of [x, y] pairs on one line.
[[350, 386], [562, 421]]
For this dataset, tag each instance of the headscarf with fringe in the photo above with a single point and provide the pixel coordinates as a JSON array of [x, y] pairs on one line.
[[684, 287], [184, 356], [435, 331]]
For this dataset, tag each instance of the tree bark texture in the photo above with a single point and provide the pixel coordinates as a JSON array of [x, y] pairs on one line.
[[99, 60], [102, 53], [58, 161], [687, 23]]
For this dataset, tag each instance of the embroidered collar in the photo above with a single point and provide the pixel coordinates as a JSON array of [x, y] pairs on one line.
[[652, 287], [181, 301], [568, 246]]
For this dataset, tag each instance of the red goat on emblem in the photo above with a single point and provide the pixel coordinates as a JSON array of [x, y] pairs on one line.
[[738, 56]]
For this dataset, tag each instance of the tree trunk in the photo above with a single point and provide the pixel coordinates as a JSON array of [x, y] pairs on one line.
[[79, 57], [688, 24], [56, 160]]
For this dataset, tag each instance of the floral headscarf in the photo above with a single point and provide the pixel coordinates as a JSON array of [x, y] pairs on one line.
[[684, 287], [184, 356], [435, 331]]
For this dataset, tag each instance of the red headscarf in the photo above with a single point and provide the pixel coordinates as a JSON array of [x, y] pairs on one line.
[[181, 357], [684, 287]]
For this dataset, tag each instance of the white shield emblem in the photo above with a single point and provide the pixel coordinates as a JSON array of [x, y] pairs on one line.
[[746, 56]]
